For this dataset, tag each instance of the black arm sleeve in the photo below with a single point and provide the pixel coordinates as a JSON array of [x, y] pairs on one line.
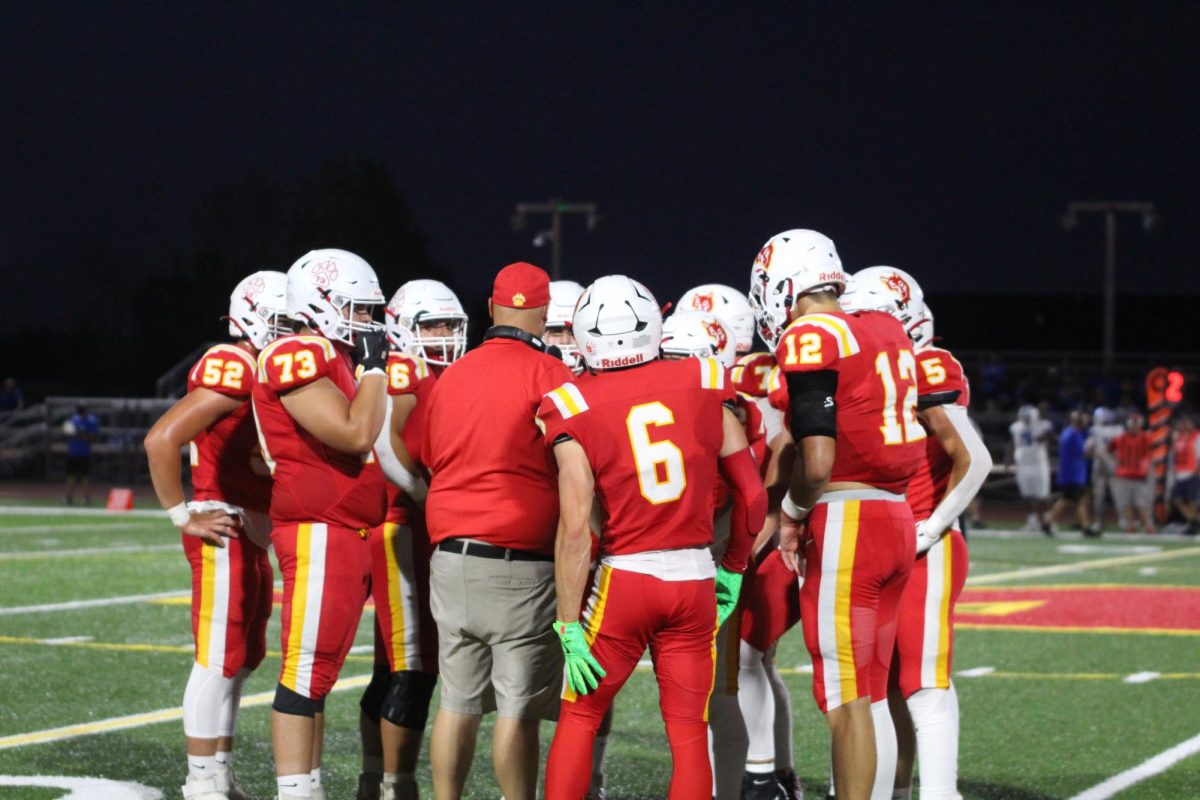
[[813, 403], [938, 398]]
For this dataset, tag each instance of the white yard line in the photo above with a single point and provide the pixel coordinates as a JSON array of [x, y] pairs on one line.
[[1147, 769], [71, 511], [96, 603], [1141, 677], [33, 555], [140, 525], [148, 718], [1080, 566]]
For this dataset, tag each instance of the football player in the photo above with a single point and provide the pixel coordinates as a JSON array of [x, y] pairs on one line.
[[921, 695], [648, 438], [563, 295], [317, 429], [225, 528], [1028, 452], [423, 317], [729, 305], [852, 396]]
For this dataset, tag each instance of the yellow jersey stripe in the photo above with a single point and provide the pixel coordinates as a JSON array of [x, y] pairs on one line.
[[943, 652], [569, 400], [594, 616], [299, 600], [395, 604], [847, 344], [848, 536], [208, 570]]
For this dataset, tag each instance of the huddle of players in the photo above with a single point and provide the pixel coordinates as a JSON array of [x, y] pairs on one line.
[[840, 421]]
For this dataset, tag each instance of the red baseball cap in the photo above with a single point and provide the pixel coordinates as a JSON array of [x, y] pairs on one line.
[[521, 285]]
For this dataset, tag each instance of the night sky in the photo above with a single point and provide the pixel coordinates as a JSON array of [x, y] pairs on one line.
[[945, 143]]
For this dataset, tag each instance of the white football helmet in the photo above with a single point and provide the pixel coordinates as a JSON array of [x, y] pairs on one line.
[[727, 303], [257, 308], [326, 287], [617, 323], [908, 300], [698, 333], [922, 333], [865, 295], [422, 303], [791, 264], [563, 296]]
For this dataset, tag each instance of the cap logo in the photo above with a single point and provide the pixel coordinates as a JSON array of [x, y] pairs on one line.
[[518, 300], [325, 273], [899, 287], [703, 302]]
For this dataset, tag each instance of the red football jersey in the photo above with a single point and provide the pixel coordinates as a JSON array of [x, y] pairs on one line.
[[652, 434], [222, 453], [751, 374], [879, 439], [408, 375], [313, 482], [937, 372]]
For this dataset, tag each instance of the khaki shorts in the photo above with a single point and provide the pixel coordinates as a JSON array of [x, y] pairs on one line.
[[497, 650], [1135, 492]]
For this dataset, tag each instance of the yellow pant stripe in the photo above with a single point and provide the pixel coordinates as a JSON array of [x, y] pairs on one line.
[[848, 537], [395, 602], [299, 598], [943, 654], [208, 570]]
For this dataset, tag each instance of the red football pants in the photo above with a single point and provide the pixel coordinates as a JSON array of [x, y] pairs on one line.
[[856, 565], [326, 579], [232, 589], [770, 602], [405, 633], [627, 612], [925, 631]]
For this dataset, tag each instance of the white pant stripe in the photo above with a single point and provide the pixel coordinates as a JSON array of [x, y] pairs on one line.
[[408, 599], [827, 604], [220, 609], [935, 565], [312, 608]]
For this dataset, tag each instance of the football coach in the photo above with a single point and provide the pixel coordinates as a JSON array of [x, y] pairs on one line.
[[492, 514]]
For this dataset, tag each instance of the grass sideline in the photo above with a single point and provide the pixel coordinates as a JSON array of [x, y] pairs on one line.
[[1046, 714]]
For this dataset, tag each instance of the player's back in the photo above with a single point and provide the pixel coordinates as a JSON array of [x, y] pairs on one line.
[[653, 435], [940, 381], [879, 441]]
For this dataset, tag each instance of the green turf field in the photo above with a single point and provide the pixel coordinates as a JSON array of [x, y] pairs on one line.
[[1055, 630]]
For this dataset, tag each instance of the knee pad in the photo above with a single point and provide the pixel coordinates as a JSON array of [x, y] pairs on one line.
[[297, 705], [376, 692], [407, 702]]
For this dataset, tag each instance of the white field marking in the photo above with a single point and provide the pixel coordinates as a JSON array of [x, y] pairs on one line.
[[148, 718], [1148, 768], [74, 605], [1148, 571], [1111, 536], [362, 649], [1110, 549], [85, 788], [645, 663], [67, 640], [75, 528], [1141, 677], [803, 669], [52, 511], [33, 555], [1080, 566], [976, 672]]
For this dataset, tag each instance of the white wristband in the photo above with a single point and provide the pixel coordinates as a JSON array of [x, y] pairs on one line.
[[179, 515], [789, 507], [372, 371]]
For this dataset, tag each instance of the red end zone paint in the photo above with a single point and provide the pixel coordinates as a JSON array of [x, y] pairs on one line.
[[1125, 608]]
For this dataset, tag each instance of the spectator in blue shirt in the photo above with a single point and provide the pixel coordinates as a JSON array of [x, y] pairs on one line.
[[81, 430], [1073, 473]]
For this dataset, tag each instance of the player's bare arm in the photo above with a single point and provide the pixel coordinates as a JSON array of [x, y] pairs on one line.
[[402, 408], [971, 465], [183, 422], [322, 409], [573, 546]]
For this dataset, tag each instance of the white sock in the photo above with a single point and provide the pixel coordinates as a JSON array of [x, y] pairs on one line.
[[204, 699], [315, 777], [902, 794], [290, 786], [224, 759], [758, 710], [784, 746], [200, 767], [935, 717], [885, 752], [728, 744]]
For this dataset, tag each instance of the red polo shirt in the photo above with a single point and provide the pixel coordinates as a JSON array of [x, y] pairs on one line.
[[493, 478]]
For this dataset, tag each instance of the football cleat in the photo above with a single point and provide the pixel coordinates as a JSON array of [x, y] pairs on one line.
[[761, 786], [203, 789], [792, 789]]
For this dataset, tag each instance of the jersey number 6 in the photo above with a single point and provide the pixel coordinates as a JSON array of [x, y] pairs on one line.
[[660, 471]]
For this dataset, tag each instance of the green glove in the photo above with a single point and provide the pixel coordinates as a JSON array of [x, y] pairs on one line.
[[583, 671], [729, 586]]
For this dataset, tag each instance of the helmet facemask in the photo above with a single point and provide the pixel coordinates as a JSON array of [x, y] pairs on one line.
[[442, 348]]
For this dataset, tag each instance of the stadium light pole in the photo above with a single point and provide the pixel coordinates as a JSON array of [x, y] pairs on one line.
[[555, 208], [1110, 210]]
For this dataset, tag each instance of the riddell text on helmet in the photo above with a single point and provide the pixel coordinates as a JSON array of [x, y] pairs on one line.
[[623, 361]]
